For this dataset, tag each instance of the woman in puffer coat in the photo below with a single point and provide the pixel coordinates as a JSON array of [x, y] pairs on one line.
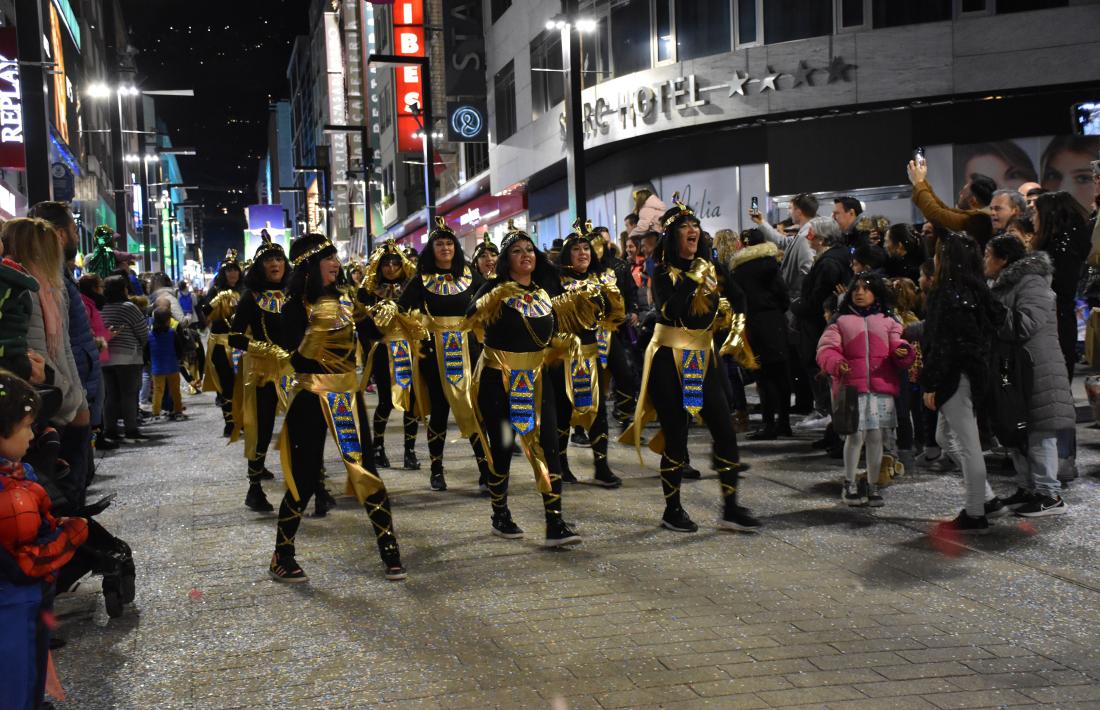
[[863, 348], [1022, 284]]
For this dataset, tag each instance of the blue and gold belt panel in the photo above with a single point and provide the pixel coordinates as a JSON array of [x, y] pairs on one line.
[[401, 358], [453, 368], [694, 367], [342, 407], [521, 400]]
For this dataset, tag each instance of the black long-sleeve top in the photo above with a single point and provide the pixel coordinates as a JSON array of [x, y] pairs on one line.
[[296, 323], [673, 293], [508, 332], [425, 292], [255, 319], [384, 291], [625, 282]]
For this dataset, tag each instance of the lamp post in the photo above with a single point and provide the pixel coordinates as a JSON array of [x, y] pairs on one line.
[[571, 28], [364, 163]]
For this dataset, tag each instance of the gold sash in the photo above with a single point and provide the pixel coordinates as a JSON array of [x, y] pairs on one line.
[[263, 363], [678, 340], [338, 394], [457, 393], [583, 363], [210, 381], [506, 361]]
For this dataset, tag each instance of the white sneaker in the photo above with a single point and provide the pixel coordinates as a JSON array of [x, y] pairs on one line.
[[815, 420]]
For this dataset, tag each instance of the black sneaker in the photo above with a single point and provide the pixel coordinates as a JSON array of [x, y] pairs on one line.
[[996, 508], [559, 534], [739, 519], [411, 462], [504, 527], [380, 458], [177, 417], [784, 429], [103, 443], [135, 436], [323, 502], [286, 569], [690, 473], [764, 434], [1042, 506], [580, 438], [256, 500], [966, 524], [567, 475], [228, 430], [266, 475], [395, 571], [850, 497], [1020, 497], [875, 499], [604, 477], [437, 481], [677, 520]]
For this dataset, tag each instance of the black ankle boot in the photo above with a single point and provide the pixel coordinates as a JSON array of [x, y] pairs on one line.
[[437, 481], [323, 502], [380, 458], [567, 475], [605, 477], [503, 525], [559, 534], [677, 520], [256, 500], [411, 462]]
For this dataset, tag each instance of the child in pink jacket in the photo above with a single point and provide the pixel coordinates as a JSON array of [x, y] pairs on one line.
[[863, 348]]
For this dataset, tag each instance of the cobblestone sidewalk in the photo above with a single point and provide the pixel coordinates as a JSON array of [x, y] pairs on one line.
[[827, 608]]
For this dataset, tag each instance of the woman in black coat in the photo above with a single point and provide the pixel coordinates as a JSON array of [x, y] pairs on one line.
[[1061, 230], [756, 271]]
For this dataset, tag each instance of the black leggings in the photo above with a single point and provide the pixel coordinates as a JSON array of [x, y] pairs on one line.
[[774, 383], [492, 402], [440, 411], [622, 384], [306, 432], [267, 401], [380, 369], [1067, 332], [667, 394], [223, 365], [597, 434]]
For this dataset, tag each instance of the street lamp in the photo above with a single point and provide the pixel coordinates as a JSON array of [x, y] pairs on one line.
[[571, 61]]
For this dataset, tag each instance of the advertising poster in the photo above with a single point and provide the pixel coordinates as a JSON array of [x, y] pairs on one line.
[[269, 217]]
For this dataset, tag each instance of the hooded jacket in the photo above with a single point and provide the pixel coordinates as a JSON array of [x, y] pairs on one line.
[[1024, 289], [867, 345]]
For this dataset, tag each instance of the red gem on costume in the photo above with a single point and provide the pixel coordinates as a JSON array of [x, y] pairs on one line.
[[527, 298], [448, 277]]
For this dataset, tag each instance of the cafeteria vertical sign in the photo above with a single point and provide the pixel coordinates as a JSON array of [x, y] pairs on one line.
[[11, 103], [408, 41]]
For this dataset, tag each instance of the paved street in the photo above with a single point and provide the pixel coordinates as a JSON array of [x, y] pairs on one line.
[[827, 608]]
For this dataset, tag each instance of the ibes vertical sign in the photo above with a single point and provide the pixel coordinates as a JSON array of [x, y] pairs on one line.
[[11, 103], [408, 40]]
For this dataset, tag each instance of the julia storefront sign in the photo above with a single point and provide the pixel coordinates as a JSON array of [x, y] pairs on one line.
[[11, 103], [650, 102]]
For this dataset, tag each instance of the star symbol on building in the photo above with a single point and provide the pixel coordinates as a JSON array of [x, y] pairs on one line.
[[737, 85], [803, 74], [768, 82], [838, 70]]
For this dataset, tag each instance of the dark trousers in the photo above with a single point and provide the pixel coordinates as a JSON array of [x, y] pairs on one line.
[[774, 383], [666, 392], [492, 402], [267, 402], [123, 382], [440, 411], [597, 433], [223, 365], [380, 371], [1067, 332], [306, 432], [76, 448], [623, 380]]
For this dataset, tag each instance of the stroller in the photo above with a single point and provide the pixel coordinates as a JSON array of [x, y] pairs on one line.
[[102, 553]]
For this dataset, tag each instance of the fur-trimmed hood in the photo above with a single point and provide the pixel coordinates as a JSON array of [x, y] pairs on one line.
[[1035, 262], [757, 251]]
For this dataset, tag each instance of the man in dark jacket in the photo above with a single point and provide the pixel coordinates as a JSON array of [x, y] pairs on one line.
[[846, 212], [76, 442], [832, 267]]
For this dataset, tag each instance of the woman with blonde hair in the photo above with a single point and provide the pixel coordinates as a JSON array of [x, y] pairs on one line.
[[36, 246]]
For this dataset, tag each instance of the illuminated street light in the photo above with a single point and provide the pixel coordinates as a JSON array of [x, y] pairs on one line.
[[586, 25]]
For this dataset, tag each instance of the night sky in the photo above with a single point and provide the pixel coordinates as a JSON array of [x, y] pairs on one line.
[[234, 54]]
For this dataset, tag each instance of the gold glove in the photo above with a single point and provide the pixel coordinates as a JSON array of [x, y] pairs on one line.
[[267, 349], [738, 346]]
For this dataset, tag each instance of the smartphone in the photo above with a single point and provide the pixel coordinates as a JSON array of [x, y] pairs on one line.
[[918, 156], [755, 204]]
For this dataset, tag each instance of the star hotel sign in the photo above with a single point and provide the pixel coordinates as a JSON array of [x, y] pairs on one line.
[[685, 92]]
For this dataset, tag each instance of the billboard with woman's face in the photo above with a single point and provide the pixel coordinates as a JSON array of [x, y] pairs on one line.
[[1055, 162]]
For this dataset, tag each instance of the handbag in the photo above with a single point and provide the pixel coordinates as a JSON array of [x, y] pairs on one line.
[[1008, 394], [846, 410]]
